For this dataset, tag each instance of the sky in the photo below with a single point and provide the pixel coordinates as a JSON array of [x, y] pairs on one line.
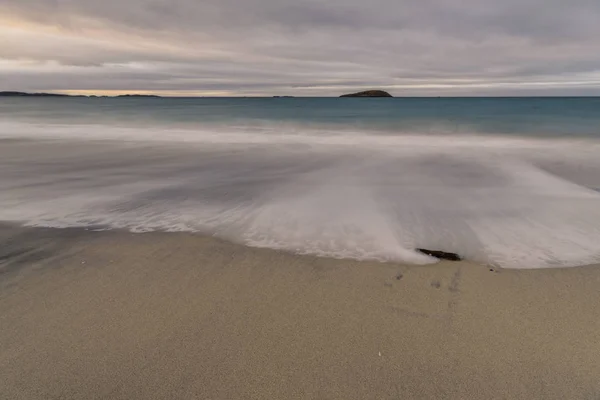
[[301, 47]]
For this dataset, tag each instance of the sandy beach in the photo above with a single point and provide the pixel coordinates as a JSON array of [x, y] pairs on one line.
[[115, 315]]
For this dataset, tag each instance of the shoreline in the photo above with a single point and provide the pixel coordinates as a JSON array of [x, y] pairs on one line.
[[113, 314], [71, 231]]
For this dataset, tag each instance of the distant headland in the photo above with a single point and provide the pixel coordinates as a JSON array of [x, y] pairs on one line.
[[369, 93], [25, 94], [366, 93]]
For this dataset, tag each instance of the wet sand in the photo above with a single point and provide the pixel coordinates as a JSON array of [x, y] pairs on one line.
[[114, 315]]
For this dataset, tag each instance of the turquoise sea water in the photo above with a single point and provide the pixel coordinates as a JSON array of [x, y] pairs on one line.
[[544, 116], [505, 181]]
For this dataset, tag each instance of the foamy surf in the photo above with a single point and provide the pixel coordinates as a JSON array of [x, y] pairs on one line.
[[494, 200]]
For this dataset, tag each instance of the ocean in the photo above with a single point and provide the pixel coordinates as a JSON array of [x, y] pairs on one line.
[[506, 182]]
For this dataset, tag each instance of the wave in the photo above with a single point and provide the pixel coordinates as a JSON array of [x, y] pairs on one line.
[[511, 202]]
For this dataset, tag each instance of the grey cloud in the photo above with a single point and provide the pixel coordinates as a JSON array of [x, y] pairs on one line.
[[304, 46]]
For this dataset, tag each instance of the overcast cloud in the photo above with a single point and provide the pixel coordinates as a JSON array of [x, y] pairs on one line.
[[302, 47]]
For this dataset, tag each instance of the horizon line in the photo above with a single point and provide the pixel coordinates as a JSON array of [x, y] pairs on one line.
[[147, 94]]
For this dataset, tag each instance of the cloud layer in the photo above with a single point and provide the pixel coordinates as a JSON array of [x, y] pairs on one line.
[[301, 47]]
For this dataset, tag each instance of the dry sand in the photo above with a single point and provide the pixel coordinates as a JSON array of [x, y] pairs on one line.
[[89, 315]]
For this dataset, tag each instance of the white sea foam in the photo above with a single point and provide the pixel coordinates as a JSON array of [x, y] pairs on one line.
[[513, 202]]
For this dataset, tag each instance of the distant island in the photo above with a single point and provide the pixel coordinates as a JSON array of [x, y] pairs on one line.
[[369, 93], [24, 94], [137, 95]]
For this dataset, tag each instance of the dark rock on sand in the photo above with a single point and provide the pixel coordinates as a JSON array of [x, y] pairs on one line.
[[369, 93], [442, 255]]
